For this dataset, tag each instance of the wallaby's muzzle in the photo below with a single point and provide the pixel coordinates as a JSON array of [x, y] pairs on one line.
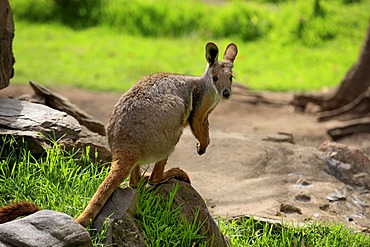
[[226, 93]]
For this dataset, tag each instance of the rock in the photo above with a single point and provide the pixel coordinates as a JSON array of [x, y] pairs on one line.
[[289, 209], [303, 182], [302, 196], [17, 116], [127, 233], [190, 201], [348, 164], [89, 132], [337, 195], [35, 124], [280, 137], [98, 145], [60, 103], [44, 228], [117, 217]]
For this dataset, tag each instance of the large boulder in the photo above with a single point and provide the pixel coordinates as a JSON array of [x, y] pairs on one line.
[[44, 228], [25, 116], [193, 208], [33, 122]]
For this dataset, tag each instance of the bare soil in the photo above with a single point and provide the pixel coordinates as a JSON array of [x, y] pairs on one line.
[[242, 172]]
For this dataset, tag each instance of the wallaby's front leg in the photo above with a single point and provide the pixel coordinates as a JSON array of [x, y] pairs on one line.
[[199, 127]]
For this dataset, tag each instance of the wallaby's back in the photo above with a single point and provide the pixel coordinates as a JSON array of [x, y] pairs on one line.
[[150, 117]]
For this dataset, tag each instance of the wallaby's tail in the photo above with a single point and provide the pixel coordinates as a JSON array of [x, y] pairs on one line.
[[16, 209]]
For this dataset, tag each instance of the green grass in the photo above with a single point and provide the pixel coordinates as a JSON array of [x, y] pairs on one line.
[[289, 47], [163, 224], [51, 181], [65, 182], [249, 232]]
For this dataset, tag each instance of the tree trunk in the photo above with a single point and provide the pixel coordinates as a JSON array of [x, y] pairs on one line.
[[6, 39], [355, 82], [349, 101]]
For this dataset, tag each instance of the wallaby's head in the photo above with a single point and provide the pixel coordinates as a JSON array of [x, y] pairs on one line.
[[221, 71]]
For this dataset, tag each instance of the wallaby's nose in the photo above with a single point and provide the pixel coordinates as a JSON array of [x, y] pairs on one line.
[[226, 93]]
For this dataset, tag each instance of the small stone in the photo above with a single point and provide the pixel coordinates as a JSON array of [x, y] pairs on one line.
[[303, 182], [280, 137], [303, 197], [324, 207], [289, 209], [337, 195]]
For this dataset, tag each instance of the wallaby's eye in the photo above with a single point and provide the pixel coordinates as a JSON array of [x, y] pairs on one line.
[[231, 78], [215, 78]]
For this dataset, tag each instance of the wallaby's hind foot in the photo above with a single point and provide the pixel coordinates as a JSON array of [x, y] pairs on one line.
[[159, 176], [178, 174], [175, 173]]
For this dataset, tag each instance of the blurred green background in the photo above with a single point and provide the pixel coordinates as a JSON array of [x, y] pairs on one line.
[[107, 45]]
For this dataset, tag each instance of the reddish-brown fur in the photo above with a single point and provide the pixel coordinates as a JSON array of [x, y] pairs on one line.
[[13, 211]]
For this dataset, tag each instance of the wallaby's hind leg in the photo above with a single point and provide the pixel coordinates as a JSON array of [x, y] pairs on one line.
[[119, 171], [157, 173], [159, 176], [135, 176]]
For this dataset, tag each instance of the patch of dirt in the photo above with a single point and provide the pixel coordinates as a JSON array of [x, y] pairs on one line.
[[242, 173]]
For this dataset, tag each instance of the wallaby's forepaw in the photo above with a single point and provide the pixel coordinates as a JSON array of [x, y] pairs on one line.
[[200, 150]]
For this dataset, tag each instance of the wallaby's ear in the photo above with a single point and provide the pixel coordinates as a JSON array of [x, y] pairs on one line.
[[231, 52], [211, 53]]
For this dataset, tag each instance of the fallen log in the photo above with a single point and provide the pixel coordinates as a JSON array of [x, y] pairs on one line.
[[361, 125], [358, 108]]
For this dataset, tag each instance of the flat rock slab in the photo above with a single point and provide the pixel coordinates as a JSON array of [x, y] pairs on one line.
[[44, 228], [17, 115]]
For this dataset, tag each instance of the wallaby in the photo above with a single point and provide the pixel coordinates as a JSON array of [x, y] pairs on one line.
[[148, 120]]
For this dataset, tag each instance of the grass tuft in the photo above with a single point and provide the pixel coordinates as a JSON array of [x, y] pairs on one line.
[[163, 224], [250, 232]]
